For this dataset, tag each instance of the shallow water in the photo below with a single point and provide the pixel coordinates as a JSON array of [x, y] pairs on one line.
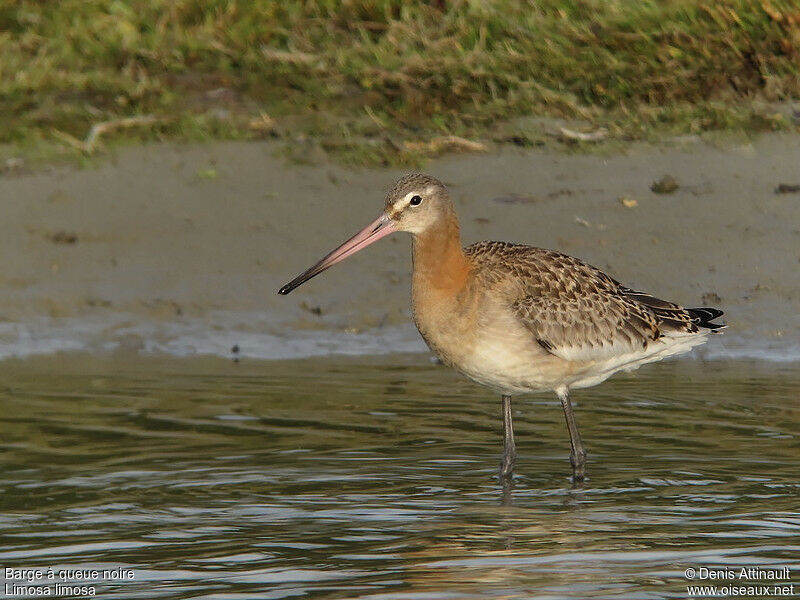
[[374, 478]]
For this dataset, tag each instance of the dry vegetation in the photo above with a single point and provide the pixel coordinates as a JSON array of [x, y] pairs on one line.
[[369, 79]]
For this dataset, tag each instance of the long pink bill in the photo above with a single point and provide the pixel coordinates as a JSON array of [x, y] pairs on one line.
[[380, 227]]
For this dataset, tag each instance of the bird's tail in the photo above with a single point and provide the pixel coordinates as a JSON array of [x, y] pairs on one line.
[[703, 317], [673, 317]]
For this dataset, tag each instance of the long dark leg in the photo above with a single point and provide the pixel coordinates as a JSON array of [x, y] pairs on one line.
[[578, 455], [509, 450]]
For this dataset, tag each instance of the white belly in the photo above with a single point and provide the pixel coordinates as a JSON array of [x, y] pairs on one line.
[[494, 351]]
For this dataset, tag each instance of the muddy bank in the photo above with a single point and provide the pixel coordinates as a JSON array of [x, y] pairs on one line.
[[182, 248]]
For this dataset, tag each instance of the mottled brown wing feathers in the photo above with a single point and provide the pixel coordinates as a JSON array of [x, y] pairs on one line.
[[576, 311]]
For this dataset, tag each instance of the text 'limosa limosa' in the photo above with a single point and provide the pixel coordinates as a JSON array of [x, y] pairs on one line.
[[519, 319]]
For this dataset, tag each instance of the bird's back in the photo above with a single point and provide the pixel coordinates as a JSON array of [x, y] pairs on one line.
[[577, 313]]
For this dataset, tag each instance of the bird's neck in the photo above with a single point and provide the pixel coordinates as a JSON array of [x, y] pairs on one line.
[[439, 261]]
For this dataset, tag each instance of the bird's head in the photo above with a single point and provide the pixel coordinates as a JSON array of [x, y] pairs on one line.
[[415, 203]]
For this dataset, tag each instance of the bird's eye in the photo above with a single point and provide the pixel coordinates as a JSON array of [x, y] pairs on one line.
[[415, 200]]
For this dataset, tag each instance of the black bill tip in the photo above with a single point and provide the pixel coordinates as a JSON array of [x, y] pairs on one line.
[[300, 279]]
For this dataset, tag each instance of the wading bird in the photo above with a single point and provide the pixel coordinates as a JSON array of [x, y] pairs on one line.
[[519, 319]]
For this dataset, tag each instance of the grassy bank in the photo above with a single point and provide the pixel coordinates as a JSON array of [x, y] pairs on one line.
[[373, 80]]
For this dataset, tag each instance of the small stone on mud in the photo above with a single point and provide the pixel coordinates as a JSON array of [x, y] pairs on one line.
[[666, 185], [787, 188], [314, 310], [710, 298], [515, 199], [62, 237], [98, 303]]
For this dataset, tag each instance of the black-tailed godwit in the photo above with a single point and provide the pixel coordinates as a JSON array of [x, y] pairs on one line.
[[519, 319]]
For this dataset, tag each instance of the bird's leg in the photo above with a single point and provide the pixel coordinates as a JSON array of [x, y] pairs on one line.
[[509, 450], [578, 455]]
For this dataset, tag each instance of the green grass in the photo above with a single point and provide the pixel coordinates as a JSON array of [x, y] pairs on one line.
[[360, 78]]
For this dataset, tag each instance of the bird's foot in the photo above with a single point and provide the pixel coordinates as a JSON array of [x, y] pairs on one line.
[[507, 467], [578, 460]]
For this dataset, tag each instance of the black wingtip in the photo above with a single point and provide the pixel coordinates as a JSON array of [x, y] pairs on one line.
[[703, 317], [285, 289]]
